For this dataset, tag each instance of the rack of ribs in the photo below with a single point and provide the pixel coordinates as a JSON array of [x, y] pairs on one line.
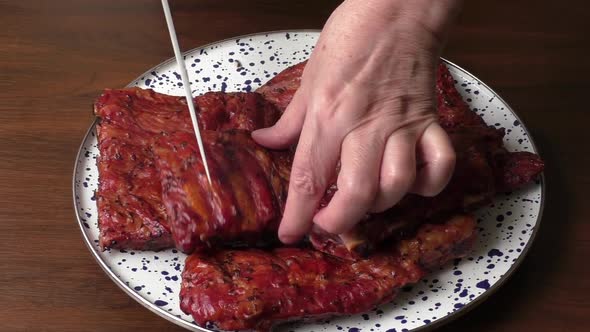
[[151, 193], [484, 168], [253, 289], [131, 212]]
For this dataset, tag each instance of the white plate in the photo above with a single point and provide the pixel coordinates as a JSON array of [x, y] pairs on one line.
[[507, 229]]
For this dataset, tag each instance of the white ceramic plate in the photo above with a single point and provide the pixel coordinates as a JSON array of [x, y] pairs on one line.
[[508, 226]]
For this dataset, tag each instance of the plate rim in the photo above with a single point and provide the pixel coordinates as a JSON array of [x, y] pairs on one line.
[[429, 327]]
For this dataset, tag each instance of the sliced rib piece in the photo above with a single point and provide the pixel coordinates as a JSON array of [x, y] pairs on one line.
[[245, 201]]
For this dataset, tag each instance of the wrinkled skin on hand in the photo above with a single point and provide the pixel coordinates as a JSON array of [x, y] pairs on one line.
[[366, 102]]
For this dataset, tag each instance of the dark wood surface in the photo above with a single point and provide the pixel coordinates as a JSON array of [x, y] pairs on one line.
[[56, 56]]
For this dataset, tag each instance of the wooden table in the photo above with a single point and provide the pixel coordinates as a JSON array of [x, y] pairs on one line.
[[56, 56]]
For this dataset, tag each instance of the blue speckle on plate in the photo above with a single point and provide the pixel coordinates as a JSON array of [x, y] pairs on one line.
[[484, 284], [161, 303], [495, 252]]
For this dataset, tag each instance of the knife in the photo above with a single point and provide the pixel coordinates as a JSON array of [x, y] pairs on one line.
[[186, 84]]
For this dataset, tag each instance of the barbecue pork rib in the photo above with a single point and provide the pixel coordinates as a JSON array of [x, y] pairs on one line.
[[135, 213], [280, 89], [244, 202], [254, 289], [484, 167], [131, 214]]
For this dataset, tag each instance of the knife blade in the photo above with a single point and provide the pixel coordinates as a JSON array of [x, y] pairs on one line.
[[186, 84]]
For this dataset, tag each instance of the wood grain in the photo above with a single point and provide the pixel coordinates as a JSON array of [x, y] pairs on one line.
[[56, 56]]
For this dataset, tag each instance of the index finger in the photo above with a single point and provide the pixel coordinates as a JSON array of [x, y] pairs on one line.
[[314, 165]]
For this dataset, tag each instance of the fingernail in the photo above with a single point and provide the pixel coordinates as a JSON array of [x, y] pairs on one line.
[[257, 133], [288, 238]]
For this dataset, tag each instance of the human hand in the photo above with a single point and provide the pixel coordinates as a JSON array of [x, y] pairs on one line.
[[367, 100]]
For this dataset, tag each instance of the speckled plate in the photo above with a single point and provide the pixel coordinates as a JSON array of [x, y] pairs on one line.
[[507, 227]]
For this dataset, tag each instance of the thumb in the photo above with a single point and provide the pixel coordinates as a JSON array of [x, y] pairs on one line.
[[286, 131]]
